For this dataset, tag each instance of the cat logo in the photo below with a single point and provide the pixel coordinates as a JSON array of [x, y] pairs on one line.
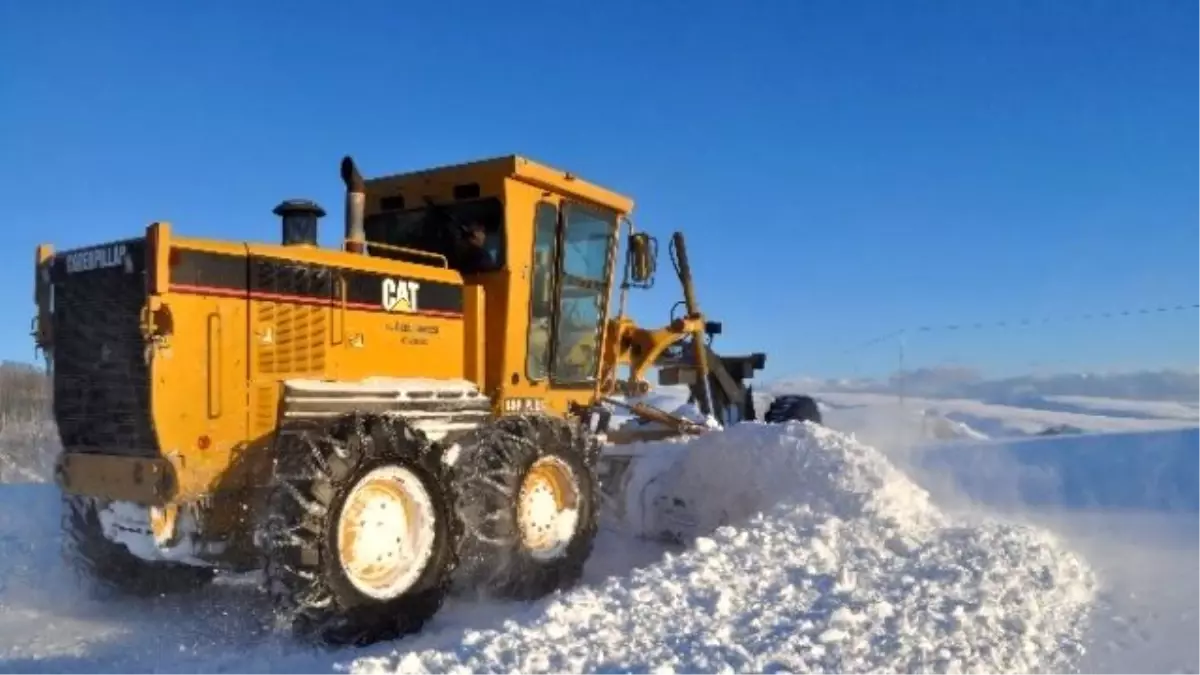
[[400, 295]]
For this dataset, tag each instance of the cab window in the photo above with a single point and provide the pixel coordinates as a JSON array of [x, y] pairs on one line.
[[443, 229], [541, 292]]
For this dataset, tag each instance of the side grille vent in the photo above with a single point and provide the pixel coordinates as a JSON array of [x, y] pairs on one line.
[[293, 330]]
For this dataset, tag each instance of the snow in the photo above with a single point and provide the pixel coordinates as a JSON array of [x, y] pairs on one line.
[[814, 551], [130, 525], [399, 386], [801, 548], [1128, 502], [886, 424], [1146, 616], [995, 419], [672, 400], [792, 590], [1154, 470], [857, 553], [1179, 410], [963, 382]]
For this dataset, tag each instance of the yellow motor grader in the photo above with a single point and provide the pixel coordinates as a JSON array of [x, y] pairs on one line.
[[367, 425]]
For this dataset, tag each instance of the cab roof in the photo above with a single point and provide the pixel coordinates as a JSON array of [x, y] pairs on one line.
[[525, 170]]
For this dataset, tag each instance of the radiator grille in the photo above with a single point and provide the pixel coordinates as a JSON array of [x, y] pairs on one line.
[[101, 379]]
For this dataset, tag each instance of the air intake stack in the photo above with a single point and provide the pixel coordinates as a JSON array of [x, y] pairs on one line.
[[299, 221]]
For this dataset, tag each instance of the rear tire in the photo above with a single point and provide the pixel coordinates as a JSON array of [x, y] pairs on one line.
[[336, 574], [527, 495], [793, 408], [108, 567]]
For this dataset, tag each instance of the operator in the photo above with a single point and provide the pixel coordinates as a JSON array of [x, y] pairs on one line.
[[475, 258]]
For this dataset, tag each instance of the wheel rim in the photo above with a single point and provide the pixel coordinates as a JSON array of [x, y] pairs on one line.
[[385, 532], [547, 508]]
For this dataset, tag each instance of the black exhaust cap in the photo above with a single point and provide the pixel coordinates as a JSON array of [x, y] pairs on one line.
[[299, 221]]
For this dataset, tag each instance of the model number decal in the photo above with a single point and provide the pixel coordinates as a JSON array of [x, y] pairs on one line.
[[400, 295], [524, 405], [101, 257], [413, 334]]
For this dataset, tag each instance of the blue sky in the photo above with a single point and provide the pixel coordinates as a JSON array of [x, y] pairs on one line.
[[841, 169]]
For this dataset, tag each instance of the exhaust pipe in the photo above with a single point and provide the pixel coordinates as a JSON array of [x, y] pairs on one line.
[[356, 203]]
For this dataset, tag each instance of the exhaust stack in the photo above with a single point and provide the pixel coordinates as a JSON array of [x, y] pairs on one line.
[[356, 203]]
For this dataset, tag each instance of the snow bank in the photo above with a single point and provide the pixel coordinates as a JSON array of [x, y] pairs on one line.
[[809, 552], [994, 419], [1157, 470]]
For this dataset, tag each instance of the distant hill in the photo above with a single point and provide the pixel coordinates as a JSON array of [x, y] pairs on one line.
[[958, 382]]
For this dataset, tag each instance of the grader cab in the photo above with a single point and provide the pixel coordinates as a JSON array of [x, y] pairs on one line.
[[422, 405]]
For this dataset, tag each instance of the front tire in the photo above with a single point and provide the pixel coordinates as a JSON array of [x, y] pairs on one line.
[[527, 495], [361, 532]]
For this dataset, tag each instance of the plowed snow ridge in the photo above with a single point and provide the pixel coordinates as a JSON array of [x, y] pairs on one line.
[[819, 556]]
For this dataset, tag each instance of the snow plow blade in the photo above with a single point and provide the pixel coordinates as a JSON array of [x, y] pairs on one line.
[[642, 462], [633, 468]]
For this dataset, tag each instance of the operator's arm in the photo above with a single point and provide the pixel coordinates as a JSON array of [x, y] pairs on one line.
[[476, 260]]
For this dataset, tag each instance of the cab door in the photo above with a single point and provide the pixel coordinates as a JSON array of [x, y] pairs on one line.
[[586, 234], [568, 291]]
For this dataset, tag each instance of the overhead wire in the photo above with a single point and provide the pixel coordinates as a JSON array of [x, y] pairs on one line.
[[1023, 322]]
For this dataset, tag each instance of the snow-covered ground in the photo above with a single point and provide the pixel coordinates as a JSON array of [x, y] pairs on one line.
[[1129, 502], [1100, 405], [817, 552], [995, 419], [1125, 494]]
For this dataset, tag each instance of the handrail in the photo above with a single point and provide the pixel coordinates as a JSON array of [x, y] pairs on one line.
[[436, 257]]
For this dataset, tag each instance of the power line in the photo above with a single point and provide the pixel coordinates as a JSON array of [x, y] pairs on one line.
[[1020, 323], [1117, 314]]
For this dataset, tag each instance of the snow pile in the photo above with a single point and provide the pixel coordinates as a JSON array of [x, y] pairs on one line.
[[814, 554], [682, 490]]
